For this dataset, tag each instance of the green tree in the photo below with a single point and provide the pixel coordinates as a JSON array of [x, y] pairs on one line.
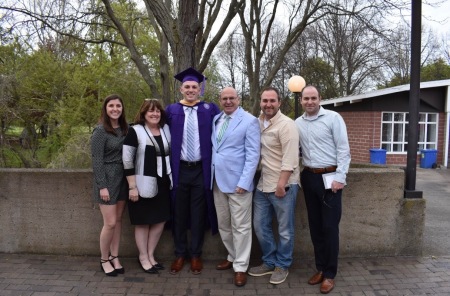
[[397, 79], [437, 70], [321, 74], [54, 93], [91, 77], [8, 55]]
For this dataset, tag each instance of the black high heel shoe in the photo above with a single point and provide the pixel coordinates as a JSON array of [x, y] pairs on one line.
[[152, 270], [112, 273], [118, 270], [159, 266]]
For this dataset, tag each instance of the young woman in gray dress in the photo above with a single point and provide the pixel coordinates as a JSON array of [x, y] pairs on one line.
[[110, 185], [147, 168]]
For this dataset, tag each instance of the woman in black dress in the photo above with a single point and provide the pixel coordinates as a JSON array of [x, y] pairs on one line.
[[147, 168], [110, 185]]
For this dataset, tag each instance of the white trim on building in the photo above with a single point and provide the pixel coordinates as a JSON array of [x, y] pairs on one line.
[[429, 84]]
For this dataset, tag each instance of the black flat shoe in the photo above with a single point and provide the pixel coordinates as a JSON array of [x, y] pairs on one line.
[[118, 270], [112, 273], [159, 266]]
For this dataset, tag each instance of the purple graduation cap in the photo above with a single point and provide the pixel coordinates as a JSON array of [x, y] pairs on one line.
[[190, 74]]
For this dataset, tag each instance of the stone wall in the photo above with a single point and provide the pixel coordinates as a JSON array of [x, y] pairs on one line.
[[51, 212]]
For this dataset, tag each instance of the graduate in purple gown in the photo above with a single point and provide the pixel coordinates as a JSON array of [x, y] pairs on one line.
[[190, 122]]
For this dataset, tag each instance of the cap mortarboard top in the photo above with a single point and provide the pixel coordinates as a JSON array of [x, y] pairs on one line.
[[190, 74]]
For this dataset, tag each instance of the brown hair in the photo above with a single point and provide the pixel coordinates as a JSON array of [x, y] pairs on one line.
[[150, 104], [310, 86], [269, 88], [106, 121]]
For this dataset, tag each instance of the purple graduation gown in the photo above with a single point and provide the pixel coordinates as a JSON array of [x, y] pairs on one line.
[[205, 114]]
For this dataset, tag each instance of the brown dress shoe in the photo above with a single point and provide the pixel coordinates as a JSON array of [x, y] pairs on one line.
[[316, 278], [224, 265], [177, 265], [326, 286], [240, 279], [196, 265]]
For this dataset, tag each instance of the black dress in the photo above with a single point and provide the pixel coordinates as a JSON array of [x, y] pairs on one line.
[[156, 209]]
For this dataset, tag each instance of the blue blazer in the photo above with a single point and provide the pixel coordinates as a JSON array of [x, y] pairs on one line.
[[236, 157]]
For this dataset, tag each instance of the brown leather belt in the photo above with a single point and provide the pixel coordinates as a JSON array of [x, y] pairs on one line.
[[329, 169]]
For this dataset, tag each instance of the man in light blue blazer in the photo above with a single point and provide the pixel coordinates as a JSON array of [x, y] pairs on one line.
[[235, 157]]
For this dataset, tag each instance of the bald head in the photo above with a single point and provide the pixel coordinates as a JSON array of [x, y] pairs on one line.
[[229, 100]]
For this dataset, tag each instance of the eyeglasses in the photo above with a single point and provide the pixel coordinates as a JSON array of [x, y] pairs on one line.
[[151, 100]]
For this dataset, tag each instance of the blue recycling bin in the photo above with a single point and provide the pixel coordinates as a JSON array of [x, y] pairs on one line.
[[428, 158], [377, 156]]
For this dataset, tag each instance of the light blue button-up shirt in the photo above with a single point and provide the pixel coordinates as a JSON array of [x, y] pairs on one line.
[[324, 142], [195, 133]]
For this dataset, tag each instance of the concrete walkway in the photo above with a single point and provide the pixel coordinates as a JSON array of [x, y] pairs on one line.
[[26, 274], [435, 185]]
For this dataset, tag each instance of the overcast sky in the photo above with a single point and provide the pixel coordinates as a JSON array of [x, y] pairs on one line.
[[437, 17]]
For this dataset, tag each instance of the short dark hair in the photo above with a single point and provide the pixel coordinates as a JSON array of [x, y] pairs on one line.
[[313, 86], [150, 104], [269, 88], [106, 121]]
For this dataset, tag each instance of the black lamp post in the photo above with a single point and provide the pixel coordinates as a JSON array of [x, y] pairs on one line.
[[414, 102], [295, 85]]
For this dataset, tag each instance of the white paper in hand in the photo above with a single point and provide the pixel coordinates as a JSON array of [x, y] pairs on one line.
[[328, 179]]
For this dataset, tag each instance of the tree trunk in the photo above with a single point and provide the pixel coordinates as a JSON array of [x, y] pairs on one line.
[[187, 28]]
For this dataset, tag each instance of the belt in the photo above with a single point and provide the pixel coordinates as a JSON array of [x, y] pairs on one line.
[[329, 169], [191, 163]]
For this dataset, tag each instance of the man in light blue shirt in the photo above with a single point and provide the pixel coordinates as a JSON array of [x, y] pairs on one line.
[[325, 149], [235, 157]]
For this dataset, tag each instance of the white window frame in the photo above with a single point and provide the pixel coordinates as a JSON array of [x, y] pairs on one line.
[[425, 144]]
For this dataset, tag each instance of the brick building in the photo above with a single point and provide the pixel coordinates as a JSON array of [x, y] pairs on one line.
[[379, 119]]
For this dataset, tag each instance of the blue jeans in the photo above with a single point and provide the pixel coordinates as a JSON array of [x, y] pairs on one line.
[[264, 206]]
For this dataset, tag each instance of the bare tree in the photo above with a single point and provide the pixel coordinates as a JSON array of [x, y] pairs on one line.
[[396, 54], [352, 48], [446, 48], [398, 57], [258, 23], [189, 32], [186, 29], [229, 55]]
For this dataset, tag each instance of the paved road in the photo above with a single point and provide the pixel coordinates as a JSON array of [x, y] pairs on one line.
[[38, 275], [435, 185]]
